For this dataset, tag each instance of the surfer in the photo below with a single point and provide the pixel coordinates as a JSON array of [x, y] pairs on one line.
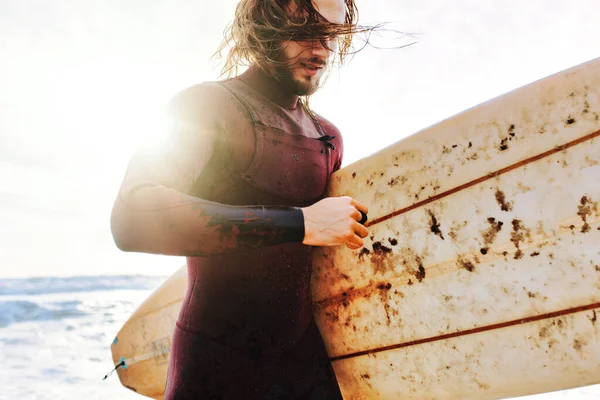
[[240, 190]]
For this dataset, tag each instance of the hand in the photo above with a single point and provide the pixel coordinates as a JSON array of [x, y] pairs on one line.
[[334, 221]]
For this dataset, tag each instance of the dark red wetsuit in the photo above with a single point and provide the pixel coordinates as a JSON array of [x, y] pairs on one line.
[[246, 329]]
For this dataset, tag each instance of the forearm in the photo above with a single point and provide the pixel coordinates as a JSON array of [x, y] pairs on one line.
[[162, 221]]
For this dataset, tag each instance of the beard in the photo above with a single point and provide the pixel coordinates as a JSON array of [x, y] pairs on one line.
[[302, 86]]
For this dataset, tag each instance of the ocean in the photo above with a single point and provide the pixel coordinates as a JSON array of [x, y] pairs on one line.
[[55, 336]]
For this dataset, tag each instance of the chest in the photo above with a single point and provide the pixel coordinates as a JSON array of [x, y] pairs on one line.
[[274, 155]]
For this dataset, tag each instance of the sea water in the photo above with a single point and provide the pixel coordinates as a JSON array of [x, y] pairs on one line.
[[55, 336]]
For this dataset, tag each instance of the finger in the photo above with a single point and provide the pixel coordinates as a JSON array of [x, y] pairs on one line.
[[359, 216], [352, 246], [356, 241], [360, 230], [355, 214], [360, 206]]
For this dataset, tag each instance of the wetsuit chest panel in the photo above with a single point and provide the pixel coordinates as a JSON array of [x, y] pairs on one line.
[[289, 166], [287, 161]]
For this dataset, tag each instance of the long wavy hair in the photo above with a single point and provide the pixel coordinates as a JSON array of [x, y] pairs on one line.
[[260, 27]]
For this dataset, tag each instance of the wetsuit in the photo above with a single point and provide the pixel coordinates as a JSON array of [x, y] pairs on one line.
[[246, 330]]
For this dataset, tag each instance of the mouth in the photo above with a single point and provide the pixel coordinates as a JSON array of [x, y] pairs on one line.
[[312, 69]]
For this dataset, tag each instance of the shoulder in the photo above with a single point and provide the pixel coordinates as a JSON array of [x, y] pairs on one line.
[[192, 100], [207, 103], [330, 129]]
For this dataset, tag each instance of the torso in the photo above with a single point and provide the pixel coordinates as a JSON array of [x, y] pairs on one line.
[[259, 298]]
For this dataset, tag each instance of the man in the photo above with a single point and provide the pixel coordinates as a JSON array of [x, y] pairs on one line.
[[239, 191]]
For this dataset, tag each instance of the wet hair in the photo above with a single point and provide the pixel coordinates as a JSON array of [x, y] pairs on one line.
[[261, 26]]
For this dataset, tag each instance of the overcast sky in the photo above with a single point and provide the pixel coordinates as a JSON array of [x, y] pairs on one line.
[[83, 83]]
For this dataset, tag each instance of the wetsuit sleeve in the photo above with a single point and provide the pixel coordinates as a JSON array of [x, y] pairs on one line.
[[154, 211]]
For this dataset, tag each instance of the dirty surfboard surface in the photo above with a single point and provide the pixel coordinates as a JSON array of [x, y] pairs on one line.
[[481, 275], [481, 278]]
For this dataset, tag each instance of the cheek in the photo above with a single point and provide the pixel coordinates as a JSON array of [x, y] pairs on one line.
[[291, 51]]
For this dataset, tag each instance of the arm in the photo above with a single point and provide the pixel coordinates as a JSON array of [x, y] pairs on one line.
[[153, 212]]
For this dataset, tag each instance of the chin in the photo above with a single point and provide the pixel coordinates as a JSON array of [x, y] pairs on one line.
[[298, 84], [306, 86]]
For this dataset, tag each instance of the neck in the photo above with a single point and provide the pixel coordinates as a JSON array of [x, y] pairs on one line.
[[269, 87]]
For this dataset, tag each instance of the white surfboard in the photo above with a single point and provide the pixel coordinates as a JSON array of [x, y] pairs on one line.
[[481, 276]]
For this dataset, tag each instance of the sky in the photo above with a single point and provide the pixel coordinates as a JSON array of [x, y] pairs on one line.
[[83, 83]]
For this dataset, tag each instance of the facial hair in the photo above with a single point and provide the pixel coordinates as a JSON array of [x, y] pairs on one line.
[[300, 87]]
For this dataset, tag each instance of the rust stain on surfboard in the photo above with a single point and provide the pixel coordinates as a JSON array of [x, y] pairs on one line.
[[584, 210]]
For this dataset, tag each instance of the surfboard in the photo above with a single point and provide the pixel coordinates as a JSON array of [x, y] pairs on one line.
[[481, 275], [142, 346]]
